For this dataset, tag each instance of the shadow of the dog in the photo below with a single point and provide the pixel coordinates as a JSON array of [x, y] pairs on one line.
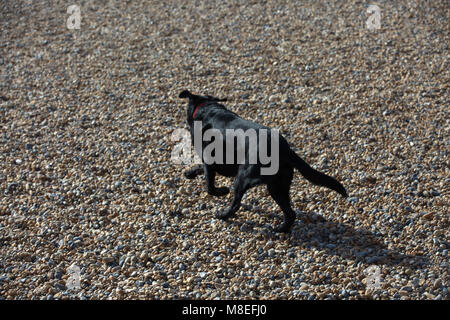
[[312, 230]]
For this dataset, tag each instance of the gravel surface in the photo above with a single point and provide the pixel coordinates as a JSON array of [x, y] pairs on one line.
[[86, 178]]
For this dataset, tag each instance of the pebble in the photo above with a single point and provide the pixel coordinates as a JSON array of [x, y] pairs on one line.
[[429, 295], [353, 200], [303, 287], [434, 193], [108, 260]]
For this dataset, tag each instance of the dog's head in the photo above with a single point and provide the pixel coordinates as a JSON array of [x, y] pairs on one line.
[[196, 101]]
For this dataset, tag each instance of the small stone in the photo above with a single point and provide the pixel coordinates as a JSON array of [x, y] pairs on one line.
[[273, 98], [370, 180], [303, 286], [344, 293], [189, 279], [434, 193], [437, 284], [352, 200], [429, 295], [428, 215], [143, 256], [108, 260]]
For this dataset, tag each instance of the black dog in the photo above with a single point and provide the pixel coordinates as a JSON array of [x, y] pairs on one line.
[[214, 115]]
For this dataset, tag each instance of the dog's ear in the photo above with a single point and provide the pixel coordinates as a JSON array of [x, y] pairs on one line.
[[216, 99], [185, 94]]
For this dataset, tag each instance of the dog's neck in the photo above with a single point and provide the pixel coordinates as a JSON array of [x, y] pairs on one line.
[[198, 107]]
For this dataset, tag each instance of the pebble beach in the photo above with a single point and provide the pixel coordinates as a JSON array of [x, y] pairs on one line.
[[87, 181]]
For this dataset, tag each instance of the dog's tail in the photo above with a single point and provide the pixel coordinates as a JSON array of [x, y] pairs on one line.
[[316, 177]]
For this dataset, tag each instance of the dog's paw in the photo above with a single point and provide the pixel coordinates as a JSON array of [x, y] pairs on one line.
[[223, 214], [282, 229], [218, 192], [190, 174]]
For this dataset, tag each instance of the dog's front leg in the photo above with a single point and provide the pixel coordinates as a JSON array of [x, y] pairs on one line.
[[210, 175], [194, 171]]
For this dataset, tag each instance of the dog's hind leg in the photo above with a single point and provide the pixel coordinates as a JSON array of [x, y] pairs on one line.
[[239, 190], [242, 183], [210, 175], [279, 190]]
